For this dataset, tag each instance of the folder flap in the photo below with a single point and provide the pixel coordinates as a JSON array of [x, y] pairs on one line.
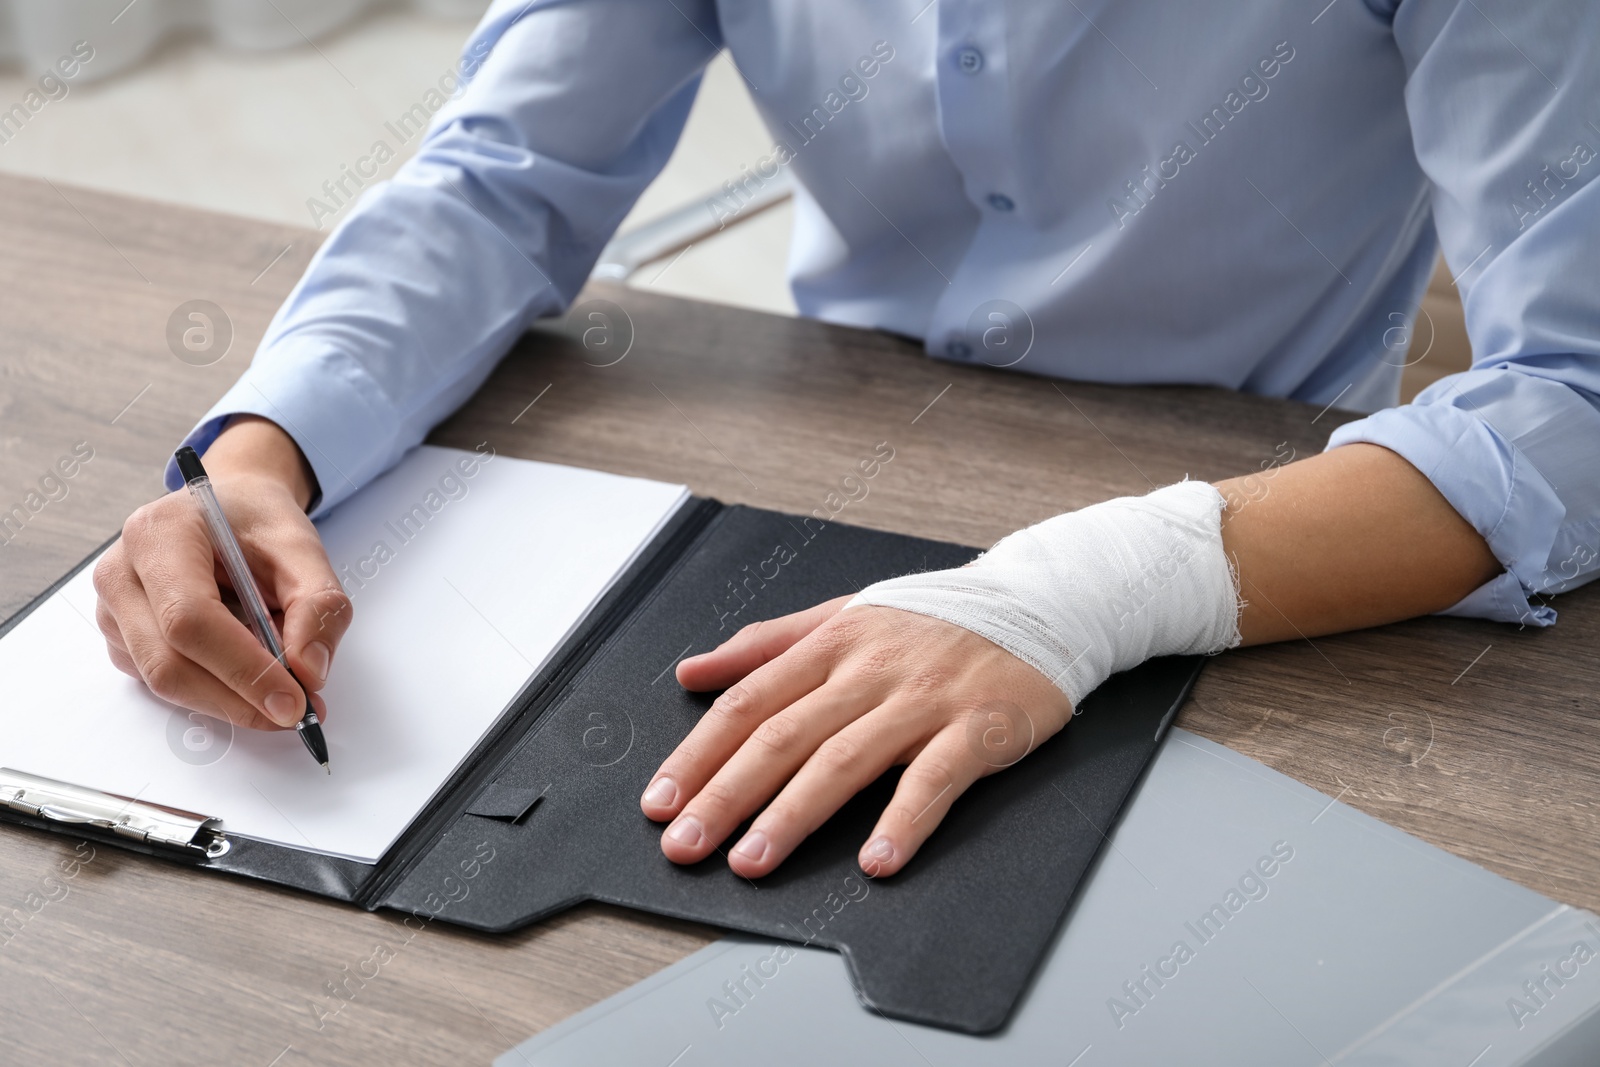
[[951, 941], [502, 801]]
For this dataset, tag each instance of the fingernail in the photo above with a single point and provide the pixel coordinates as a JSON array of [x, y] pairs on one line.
[[662, 792], [316, 655], [879, 852], [753, 847], [283, 708], [685, 832]]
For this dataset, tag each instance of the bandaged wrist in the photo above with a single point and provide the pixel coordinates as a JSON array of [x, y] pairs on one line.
[[1087, 594]]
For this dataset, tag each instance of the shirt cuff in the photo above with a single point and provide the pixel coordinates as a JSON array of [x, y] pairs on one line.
[[326, 402], [1490, 484]]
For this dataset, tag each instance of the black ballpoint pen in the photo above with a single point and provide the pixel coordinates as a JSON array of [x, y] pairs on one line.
[[244, 584]]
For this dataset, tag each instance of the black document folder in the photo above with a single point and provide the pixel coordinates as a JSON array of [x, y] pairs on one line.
[[544, 813]]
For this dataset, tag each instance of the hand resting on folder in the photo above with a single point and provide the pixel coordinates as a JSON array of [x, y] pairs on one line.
[[834, 697], [819, 704]]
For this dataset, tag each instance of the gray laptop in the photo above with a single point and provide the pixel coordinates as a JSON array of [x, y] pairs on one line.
[[1235, 917]]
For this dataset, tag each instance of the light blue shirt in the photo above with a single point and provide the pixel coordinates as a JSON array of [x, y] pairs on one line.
[[1248, 195]]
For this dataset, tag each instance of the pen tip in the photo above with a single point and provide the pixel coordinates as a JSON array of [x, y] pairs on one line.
[[327, 768]]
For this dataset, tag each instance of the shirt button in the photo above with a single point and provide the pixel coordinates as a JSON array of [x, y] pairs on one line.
[[969, 59], [1001, 202], [958, 350]]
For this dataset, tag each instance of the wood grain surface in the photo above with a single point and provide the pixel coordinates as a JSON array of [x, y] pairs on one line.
[[1476, 737]]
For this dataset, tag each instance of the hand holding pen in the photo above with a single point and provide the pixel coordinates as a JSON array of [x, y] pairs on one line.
[[161, 592], [256, 614]]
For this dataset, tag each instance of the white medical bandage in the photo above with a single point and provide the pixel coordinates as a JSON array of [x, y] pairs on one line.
[[1087, 594]]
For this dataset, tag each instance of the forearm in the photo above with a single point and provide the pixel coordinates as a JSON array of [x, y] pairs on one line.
[[432, 277], [1347, 539]]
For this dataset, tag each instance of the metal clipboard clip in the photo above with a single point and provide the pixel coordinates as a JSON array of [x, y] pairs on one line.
[[139, 820]]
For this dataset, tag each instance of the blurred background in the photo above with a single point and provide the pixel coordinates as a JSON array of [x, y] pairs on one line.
[[248, 106]]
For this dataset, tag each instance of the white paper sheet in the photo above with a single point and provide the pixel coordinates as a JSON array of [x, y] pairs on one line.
[[469, 600]]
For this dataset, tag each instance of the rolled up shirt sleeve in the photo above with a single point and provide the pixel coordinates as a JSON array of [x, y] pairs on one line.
[[1502, 98], [568, 111]]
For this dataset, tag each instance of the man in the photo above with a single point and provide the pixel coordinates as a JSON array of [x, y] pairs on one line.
[[1238, 195]]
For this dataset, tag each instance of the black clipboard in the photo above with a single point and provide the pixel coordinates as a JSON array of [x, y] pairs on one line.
[[544, 813]]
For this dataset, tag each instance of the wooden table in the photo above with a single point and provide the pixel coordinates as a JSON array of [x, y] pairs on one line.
[[1479, 738]]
